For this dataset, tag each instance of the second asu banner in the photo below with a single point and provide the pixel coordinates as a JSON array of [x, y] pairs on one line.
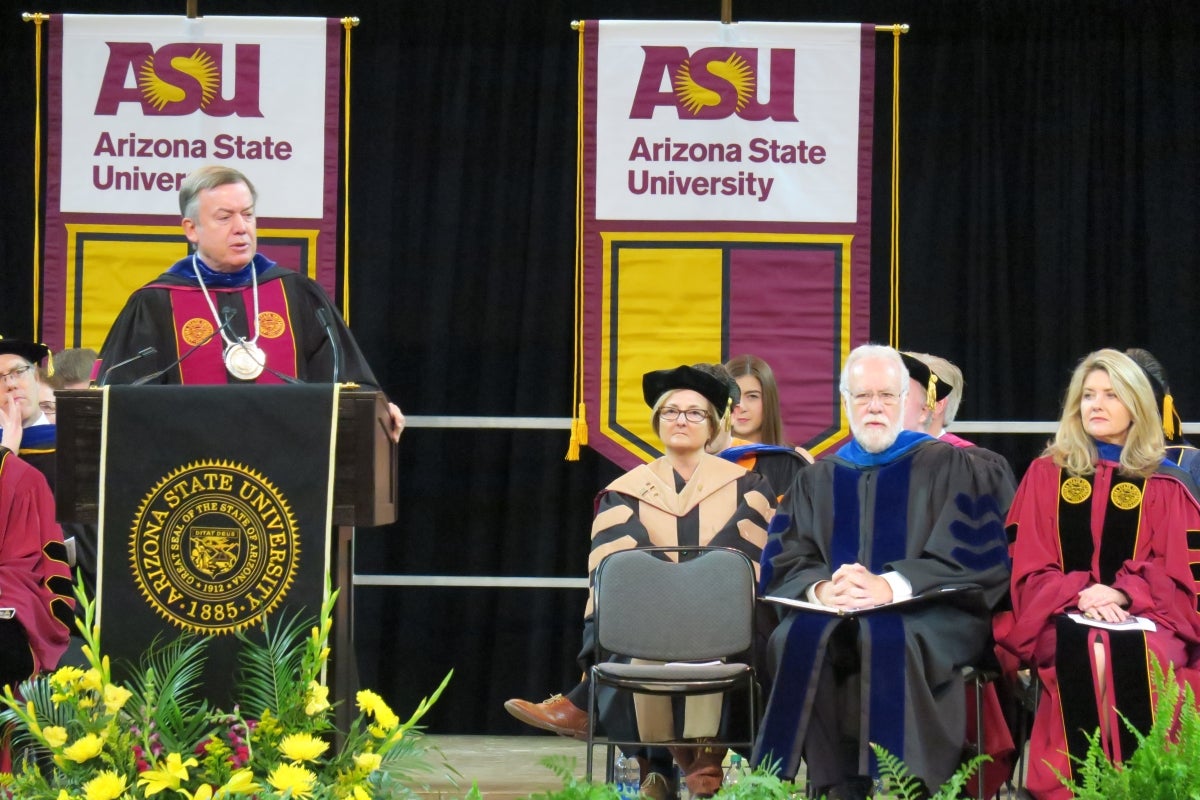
[[726, 210]]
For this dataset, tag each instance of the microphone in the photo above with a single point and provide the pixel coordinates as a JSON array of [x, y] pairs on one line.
[[228, 313], [323, 318], [143, 353]]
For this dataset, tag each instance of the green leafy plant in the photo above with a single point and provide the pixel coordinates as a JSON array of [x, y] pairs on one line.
[[79, 735], [1166, 764], [763, 783], [573, 788], [900, 783]]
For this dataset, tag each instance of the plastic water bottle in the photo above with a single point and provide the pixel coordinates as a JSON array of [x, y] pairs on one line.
[[735, 770], [628, 776], [681, 782]]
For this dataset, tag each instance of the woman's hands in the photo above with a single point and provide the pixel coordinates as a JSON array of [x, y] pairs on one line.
[[1103, 603]]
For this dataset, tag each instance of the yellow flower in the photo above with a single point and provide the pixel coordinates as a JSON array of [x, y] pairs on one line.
[[302, 747], [203, 793], [54, 735], [31, 714], [368, 701], [84, 748], [115, 697], [107, 785], [317, 698], [359, 793], [290, 776], [387, 718], [171, 774], [368, 762], [92, 681], [65, 677], [240, 782], [86, 702], [62, 795]]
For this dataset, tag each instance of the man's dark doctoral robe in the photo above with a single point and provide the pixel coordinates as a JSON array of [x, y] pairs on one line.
[[925, 510], [171, 315], [35, 582], [1140, 536]]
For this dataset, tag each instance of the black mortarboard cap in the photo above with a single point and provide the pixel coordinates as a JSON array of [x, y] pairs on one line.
[[30, 351], [656, 384], [935, 388]]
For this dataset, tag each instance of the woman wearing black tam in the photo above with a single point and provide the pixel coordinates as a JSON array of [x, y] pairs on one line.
[[685, 498]]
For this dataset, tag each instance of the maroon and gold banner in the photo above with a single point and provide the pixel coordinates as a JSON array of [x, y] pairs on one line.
[[138, 102], [726, 210]]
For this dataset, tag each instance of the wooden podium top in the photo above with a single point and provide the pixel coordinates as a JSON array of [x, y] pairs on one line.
[[364, 479]]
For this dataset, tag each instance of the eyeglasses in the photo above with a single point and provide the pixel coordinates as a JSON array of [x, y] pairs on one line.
[[696, 415], [866, 398], [48, 407], [16, 374]]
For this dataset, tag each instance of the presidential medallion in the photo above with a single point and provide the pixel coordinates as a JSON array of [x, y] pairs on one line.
[[245, 360]]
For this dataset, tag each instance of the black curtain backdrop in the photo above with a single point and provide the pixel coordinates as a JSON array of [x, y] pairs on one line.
[[1048, 207]]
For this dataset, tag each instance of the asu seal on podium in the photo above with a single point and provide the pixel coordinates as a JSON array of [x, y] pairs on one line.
[[214, 547]]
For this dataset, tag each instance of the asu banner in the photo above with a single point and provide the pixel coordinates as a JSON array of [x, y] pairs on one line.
[[725, 210], [208, 524], [138, 102]]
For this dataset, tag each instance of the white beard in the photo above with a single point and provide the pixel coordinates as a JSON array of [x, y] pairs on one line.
[[873, 440]]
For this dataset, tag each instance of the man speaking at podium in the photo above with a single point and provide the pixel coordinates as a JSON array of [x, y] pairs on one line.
[[226, 314]]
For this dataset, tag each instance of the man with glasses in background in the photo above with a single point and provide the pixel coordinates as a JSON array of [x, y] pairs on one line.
[[891, 516], [24, 426]]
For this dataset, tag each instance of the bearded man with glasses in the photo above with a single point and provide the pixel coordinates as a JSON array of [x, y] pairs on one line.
[[871, 537]]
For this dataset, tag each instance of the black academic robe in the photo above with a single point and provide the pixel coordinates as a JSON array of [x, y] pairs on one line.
[[925, 510], [149, 320]]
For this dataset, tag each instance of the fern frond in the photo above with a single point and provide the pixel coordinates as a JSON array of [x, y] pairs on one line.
[[267, 676], [165, 689], [955, 786], [895, 775]]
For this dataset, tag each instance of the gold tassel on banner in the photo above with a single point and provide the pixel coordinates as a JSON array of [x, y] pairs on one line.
[[894, 248], [348, 24], [37, 18], [579, 431]]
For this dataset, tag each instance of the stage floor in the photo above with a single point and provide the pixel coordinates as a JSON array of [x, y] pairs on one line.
[[506, 767]]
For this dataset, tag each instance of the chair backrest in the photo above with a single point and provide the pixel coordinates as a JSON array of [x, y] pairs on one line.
[[699, 608]]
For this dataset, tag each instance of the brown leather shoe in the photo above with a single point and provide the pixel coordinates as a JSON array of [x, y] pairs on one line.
[[701, 768], [556, 713]]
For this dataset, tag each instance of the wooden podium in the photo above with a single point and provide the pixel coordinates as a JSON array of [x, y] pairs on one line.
[[364, 495]]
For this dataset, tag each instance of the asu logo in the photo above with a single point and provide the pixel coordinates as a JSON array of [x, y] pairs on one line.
[[214, 547], [179, 79], [271, 324], [196, 330], [715, 83]]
